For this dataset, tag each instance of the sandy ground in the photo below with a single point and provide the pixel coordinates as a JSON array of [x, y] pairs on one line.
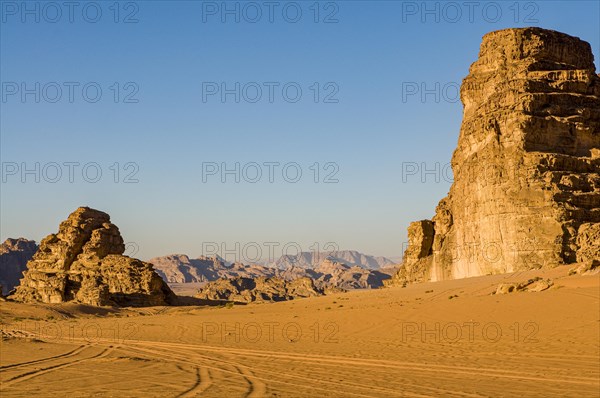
[[445, 339]]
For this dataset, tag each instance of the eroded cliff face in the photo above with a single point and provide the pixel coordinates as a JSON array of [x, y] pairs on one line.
[[84, 262], [526, 191]]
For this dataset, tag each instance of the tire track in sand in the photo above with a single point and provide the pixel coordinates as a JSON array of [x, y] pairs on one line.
[[39, 372], [203, 382], [37, 361], [423, 367]]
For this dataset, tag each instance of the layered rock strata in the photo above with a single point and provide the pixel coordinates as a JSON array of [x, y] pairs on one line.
[[84, 262], [526, 190]]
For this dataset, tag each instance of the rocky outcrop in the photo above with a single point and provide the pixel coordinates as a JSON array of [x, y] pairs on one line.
[[590, 267], [588, 242], [526, 190], [533, 285], [14, 254], [84, 262], [246, 290], [417, 256], [337, 274]]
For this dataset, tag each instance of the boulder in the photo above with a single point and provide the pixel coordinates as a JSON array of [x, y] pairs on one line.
[[533, 285]]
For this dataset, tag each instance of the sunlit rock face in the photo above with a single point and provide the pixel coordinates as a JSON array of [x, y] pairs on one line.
[[526, 190], [84, 262]]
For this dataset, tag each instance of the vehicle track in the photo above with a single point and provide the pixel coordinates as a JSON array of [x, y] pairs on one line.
[[426, 367], [309, 381], [186, 358], [64, 355], [38, 372], [203, 382]]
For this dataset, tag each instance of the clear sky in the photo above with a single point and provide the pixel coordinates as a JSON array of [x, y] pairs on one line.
[[145, 93]]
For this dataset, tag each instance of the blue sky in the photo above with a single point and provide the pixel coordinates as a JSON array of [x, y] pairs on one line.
[[157, 121]]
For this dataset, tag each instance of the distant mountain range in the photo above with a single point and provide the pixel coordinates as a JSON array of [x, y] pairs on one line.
[[14, 254], [345, 269], [310, 260]]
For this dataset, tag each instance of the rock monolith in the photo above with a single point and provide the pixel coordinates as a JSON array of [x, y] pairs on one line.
[[526, 189], [84, 263]]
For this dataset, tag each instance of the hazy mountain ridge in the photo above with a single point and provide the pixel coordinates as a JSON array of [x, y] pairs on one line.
[[14, 254], [312, 260], [333, 270]]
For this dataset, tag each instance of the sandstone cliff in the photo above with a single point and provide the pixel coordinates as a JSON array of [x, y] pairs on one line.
[[526, 190], [84, 262], [14, 254]]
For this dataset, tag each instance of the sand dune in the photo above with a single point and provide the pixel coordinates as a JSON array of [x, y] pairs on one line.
[[405, 342]]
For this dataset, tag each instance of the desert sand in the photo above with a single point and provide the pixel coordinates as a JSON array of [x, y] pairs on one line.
[[449, 338]]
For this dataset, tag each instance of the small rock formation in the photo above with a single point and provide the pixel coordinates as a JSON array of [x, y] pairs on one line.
[[246, 290], [337, 274], [536, 284], [526, 191], [14, 254], [84, 262], [590, 267]]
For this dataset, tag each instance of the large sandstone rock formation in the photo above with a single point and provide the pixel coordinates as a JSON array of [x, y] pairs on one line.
[[14, 254], [526, 191], [84, 262]]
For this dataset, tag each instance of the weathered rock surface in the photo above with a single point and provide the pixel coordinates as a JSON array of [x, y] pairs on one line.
[[246, 290], [417, 256], [84, 262], [590, 267], [526, 191], [588, 242], [14, 254]]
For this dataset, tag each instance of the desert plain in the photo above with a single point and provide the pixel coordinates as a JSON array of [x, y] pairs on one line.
[[520, 317], [450, 338]]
